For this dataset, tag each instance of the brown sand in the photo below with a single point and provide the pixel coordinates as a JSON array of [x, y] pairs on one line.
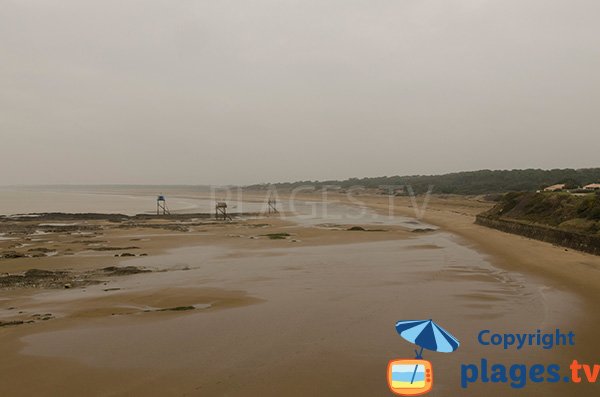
[[312, 313]]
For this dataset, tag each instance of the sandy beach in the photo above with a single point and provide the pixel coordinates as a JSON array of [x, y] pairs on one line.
[[299, 198], [280, 305]]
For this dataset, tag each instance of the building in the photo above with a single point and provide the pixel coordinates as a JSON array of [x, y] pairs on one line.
[[555, 188], [592, 186]]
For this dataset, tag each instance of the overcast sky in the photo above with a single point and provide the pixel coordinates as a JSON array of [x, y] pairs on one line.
[[251, 91]]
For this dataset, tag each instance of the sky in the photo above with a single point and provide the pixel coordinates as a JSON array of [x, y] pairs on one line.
[[253, 91]]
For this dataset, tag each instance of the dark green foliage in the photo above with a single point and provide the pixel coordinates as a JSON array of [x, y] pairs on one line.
[[472, 182], [565, 210], [571, 183]]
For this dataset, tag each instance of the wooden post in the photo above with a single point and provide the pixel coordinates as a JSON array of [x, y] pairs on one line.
[[272, 206], [221, 211], [161, 204]]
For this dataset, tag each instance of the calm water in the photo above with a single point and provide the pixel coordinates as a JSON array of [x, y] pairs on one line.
[[131, 200], [128, 201], [322, 307]]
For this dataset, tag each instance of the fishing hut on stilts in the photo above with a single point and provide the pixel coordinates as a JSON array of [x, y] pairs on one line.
[[272, 206], [221, 211], [161, 206]]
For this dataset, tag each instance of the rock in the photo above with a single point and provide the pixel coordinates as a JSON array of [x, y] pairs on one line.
[[8, 323], [423, 230], [12, 255], [123, 271], [38, 273], [40, 249], [115, 248], [356, 228]]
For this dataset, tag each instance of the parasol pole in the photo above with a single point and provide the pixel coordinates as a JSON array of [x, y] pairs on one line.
[[419, 356]]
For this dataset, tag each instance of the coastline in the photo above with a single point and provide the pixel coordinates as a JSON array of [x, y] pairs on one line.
[[334, 244], [566, 269], [456, 214]]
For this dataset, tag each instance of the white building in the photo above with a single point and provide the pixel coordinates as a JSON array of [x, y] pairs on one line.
[[555, 188], [592, 186]]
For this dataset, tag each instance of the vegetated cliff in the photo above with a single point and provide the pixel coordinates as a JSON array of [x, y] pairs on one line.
[[467, 183], [561, 218]]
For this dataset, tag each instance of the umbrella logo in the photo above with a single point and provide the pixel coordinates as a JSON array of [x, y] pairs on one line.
[[413, 377]]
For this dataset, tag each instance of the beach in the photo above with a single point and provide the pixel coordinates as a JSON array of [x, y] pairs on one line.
[[289, 304], [299, 198]]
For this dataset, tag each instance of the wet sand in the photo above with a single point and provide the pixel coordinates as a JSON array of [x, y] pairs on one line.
[[311, 313]]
